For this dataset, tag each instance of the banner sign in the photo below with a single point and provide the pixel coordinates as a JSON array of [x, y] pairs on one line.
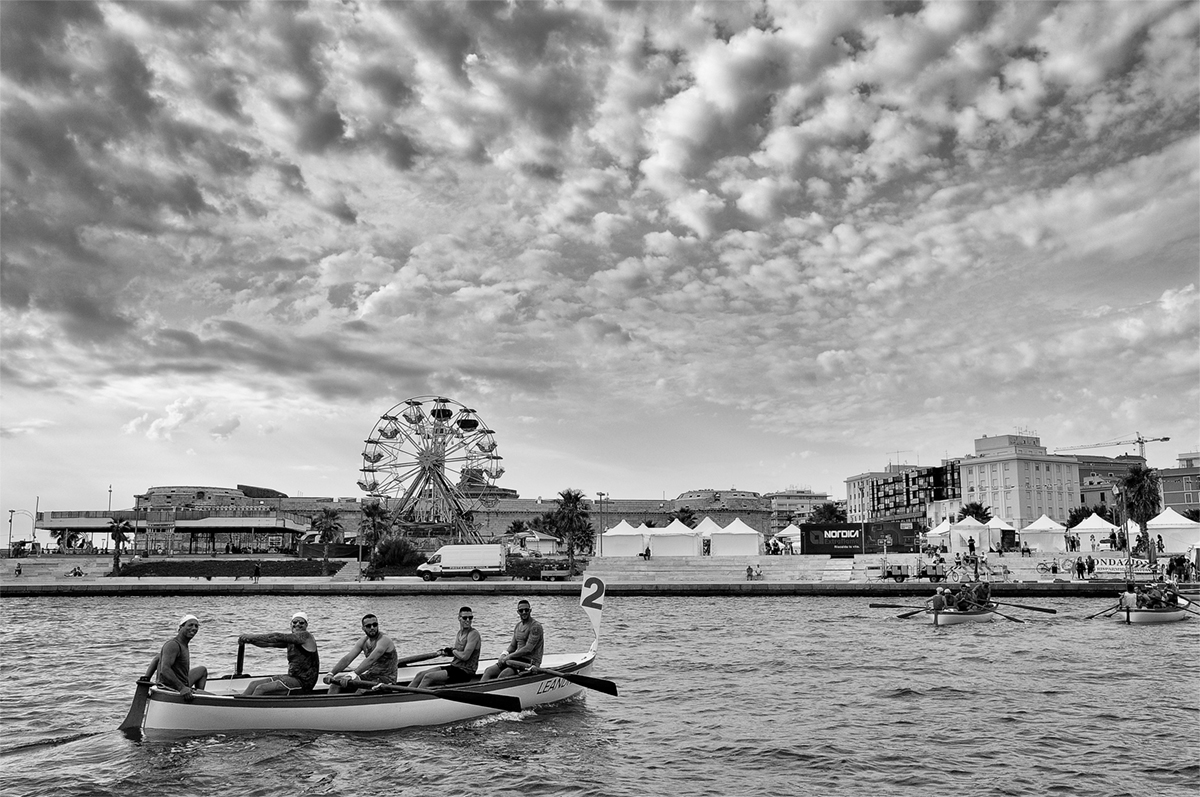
[[835, 539], [1117, 566]]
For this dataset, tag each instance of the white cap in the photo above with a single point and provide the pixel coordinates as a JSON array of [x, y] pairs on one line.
[[188, 617], [301, 615]]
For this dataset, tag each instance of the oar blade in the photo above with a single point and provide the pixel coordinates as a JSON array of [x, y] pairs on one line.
[[599, 684], [891, 606], [1029, 608], [907, 615]]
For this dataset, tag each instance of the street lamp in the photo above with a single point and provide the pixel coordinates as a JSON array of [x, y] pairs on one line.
[[600, 538], [27, 514]]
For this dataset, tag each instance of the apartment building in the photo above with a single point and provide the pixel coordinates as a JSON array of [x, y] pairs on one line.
[[1018, 480], [1181, 484]]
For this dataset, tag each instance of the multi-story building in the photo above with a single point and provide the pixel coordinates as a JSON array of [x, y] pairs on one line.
[[793, 505], [902, 493], [858, 495], [1097, 475], [1018, 480], [1181, 484]]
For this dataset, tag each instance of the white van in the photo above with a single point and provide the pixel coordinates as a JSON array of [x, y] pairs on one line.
[[476, 561]]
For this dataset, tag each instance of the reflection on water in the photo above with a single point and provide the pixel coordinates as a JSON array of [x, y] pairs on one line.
[[719, 696]]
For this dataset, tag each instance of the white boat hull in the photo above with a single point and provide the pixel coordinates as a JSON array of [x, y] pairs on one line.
[[955, 617], [220, 710], [1151, 616]]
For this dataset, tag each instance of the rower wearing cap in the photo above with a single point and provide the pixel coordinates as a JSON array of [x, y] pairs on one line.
[[465, 655], [938, 601], [174, 661], [304, 664]]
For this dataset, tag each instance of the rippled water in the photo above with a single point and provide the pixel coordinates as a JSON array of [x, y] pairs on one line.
[[720, 696]]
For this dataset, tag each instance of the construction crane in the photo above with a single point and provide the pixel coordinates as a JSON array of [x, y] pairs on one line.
[[1141, 443]]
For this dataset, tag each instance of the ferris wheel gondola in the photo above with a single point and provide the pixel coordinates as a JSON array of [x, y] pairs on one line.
[[434, 461]]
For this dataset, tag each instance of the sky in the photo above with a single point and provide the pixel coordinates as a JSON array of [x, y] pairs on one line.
[[657, 247]]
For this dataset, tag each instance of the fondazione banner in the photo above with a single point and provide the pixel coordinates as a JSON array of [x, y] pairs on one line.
[[1116, 565]]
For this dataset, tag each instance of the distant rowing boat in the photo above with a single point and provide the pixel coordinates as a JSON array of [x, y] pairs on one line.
[[959, 616], [1143, 616]]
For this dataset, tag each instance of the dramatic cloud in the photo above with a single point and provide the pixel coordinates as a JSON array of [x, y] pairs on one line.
[[657, 246]]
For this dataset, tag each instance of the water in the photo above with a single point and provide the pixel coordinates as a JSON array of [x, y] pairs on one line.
[[719, 696]]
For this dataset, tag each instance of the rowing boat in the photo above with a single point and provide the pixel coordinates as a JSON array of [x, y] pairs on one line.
[[1166, 614], [960, 616], [221, 707]]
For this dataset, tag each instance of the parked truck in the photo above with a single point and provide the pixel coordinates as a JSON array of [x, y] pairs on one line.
[[476, 561]]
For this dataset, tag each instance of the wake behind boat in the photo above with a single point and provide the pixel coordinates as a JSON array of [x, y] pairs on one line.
[[222, 707]]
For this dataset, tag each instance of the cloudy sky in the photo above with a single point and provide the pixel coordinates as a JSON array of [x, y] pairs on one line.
[[657, 247]]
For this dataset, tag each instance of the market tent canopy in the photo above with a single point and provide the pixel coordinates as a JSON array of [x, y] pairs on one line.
[[623, 540], [998, 524], [1044, 524], [966, 529], [707, 526], [1094, 522], [1045, 535], [1178, 533], [792, 531], [940, 529], [736, 539], [677, 539]]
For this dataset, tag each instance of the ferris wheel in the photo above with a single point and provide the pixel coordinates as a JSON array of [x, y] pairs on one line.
[[433, 461]]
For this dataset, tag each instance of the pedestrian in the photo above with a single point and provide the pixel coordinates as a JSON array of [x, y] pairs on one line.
[[1080, 568], [18, 568], [1091, 566], [1093, 542], [971, 546], [257, 572]]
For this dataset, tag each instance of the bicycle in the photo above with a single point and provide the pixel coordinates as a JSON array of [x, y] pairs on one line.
[[1054, 566]]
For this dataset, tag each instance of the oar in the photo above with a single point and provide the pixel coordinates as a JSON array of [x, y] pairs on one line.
[[599, 684], [1005, 616], [241, 659], [1023, 606], [485, 699], [419, 657], [137, 709], [1109, 609], [907, 615], [891, 606]]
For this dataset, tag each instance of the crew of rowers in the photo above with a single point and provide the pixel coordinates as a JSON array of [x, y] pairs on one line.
[[969, 597], [1150, 596]]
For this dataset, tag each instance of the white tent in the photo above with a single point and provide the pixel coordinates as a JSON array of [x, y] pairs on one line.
[[1045, 535], [1178, 532], [1094, 524], [623, 540], [707, 526], [969, 528], [736, 539], [792, 531], [677, 539], [998, 528], [939, 535]]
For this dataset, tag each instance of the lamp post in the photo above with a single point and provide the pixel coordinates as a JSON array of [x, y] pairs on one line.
[[600, 537], [32, 517]]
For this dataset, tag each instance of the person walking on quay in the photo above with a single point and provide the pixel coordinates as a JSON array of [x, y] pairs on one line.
[[257, 572], [465, 653], [1080, 568], [173, 664], [1091, 566], [527, 643], [18, 570], [304, 663], [379, 664]]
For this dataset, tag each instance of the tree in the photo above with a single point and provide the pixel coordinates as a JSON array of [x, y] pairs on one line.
[[329, 526], [976, 510], [375, 522], [827, 513], [572, 524], [686, 516], [119, 529], [66, 538], [1138, 491], [1192, 515]]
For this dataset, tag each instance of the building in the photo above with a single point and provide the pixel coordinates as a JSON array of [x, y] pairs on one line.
[[793, 505], [902, 493], [1097, 475], [1018, 480], [1181, 484]]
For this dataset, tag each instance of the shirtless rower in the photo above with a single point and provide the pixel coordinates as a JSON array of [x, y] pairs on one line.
[[173, 662]]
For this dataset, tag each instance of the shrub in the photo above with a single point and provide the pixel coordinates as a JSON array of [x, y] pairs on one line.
[[396, 552]]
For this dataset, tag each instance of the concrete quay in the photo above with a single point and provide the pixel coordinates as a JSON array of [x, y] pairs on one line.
[[663, 576]]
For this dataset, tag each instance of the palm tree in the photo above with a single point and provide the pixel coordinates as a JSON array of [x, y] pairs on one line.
[[827, 513], [119, 529], [1192, 515], [686, 516], [572, 524], [1139, 492], [976, 510], [66, 537], [376, 520], [1082, 513], [329, 524]]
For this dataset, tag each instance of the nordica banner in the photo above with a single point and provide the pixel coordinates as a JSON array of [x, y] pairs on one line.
[[834, 539]]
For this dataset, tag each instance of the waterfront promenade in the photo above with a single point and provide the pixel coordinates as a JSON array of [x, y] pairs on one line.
[[698, 576]]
